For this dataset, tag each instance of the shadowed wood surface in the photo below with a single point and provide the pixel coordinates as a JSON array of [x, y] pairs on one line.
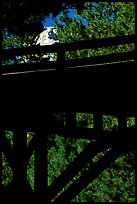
[[31, 93], [108, 88]]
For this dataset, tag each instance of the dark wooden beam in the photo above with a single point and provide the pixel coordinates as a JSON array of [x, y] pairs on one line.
[[78, 45]]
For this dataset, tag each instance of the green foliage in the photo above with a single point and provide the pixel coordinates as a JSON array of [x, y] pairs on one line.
[[26, 16], [6, 171], [109, 122], [14, 41], [130, 121], [115, 184], [9, 136], [110, 186], [84, 120], [73, 29], [30, 171]]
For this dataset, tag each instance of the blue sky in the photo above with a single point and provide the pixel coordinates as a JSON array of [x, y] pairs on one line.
[[50, 20]]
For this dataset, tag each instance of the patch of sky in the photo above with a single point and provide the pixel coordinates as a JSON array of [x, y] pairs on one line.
[[77, 18], [18, 57], [7, 47], [58, 20], [101, 4], [112, 17], [6, 31], [103, 14], [49, 21], [71, 13], [84, 21]]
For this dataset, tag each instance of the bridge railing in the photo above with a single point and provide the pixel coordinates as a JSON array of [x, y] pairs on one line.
[[118, 141], [62, 48]]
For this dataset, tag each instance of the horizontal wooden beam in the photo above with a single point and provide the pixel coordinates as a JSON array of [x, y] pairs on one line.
[[77, 45], [97, 74], [105, 89], [58, 65]]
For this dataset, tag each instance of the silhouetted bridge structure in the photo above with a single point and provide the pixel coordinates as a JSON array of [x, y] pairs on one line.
[[31, 94]]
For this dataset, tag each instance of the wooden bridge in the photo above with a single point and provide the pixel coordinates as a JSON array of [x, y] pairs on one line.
[[32, 92]]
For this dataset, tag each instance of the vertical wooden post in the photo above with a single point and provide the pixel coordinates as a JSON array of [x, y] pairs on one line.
[[20, 165], [40, 181], [0, 164], [98, 121], [122, 122], [61, 59], [70, 120], [61, 55], [136, 120]]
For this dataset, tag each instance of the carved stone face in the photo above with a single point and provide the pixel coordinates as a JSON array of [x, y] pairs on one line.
[[51, 34], [46, 37]]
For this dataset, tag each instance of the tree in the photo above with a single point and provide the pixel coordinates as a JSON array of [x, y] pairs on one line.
[[22, 20], [104, 20], [100, 20], [24, 16], [122, 23]]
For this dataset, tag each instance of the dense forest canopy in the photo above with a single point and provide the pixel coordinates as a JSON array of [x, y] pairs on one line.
[[102, 18]]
